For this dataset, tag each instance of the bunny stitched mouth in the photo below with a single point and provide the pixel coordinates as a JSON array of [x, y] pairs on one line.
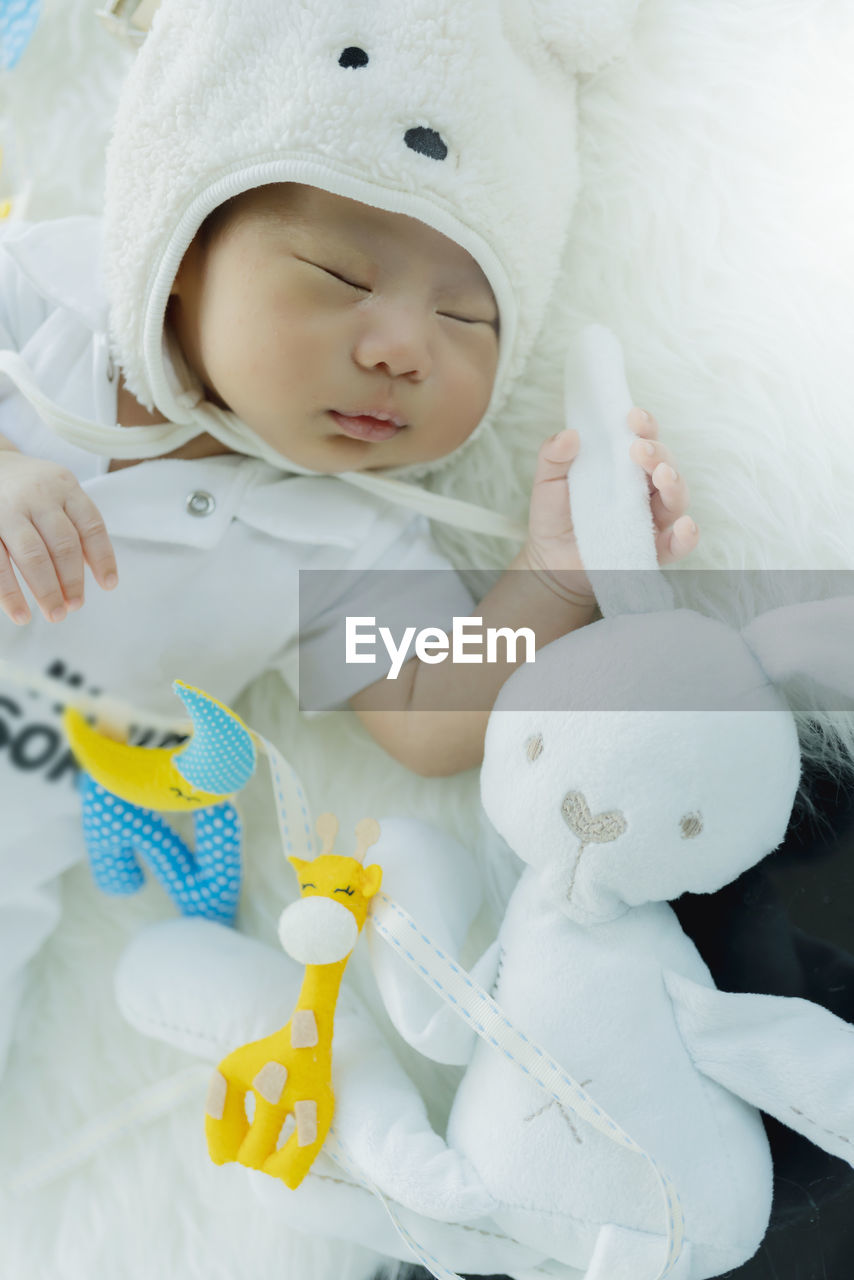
[[600, 828]]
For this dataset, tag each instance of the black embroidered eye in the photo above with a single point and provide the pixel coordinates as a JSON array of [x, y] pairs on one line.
[[427, 142], [349, 892], [353, 56], [308, 886]]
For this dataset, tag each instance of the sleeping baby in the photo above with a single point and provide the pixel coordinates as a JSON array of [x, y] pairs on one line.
[[295, 307]]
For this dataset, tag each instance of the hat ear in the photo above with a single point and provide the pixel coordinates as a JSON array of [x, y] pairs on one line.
[[581, 34]]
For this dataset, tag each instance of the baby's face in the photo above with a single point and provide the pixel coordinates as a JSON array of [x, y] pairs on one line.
[[306, 311]]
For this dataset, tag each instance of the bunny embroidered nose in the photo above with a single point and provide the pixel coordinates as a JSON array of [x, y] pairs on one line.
[[590, 828], [427, 142]]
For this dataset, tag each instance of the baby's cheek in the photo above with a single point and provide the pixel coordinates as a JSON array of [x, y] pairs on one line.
[[471, 380]]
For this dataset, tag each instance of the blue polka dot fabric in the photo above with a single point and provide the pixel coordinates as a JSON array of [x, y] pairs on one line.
[[119, 835], [220, 757], [18, 19]]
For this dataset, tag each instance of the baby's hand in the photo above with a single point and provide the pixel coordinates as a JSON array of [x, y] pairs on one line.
[[48, 528], [551, 547]]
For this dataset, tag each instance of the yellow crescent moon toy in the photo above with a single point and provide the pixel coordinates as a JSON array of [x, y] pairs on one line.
[[122, 786], [218, 760]]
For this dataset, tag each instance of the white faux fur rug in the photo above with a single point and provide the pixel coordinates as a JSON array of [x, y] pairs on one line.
[[714, 235]]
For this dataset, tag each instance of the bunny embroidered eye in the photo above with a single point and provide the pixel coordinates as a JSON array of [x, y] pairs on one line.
[[534, 746], [354, 57], [691, 824]]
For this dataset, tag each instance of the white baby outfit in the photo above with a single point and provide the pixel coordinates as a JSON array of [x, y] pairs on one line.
[[209, 551]]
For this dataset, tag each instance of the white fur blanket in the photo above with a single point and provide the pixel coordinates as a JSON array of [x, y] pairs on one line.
[[714, 235]]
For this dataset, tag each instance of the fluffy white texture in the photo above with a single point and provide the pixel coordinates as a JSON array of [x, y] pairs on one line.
[[582, 36], [713, 234], [317, 931]]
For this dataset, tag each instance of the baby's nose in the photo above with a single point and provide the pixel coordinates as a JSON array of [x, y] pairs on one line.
[[396, 337], [599, 828]]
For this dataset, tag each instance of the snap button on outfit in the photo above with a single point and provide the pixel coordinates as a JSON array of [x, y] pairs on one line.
[[201, 503]]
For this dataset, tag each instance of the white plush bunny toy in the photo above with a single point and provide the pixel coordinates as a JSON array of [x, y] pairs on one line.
[[605, 1124]]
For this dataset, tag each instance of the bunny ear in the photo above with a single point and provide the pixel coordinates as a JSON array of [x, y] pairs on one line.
[[608, 492], [581, 34], [812, 643]]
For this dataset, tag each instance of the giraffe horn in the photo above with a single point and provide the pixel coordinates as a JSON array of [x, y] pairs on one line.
[[327, 828], [367, 833]]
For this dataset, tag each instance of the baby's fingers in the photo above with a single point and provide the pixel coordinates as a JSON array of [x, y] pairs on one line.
[[26, 548], [63, 546], [669, 498], [550, 515], [12, 600], [677, 542], [643, 424], [94, 539]]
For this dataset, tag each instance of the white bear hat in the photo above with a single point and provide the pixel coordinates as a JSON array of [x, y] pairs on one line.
[[460, 113]]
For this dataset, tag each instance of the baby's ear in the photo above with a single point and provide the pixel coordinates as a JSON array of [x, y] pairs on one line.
[[581, 34]]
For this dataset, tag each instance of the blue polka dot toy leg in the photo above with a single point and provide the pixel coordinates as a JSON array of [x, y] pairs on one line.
[[18, 19], [204, 882]]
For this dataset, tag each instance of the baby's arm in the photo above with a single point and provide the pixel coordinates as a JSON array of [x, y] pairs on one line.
[[48, 528], [544, 589]]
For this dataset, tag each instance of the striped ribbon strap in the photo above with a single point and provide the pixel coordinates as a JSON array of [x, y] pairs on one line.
[[109, 710], [292, 808], [478, 1008]]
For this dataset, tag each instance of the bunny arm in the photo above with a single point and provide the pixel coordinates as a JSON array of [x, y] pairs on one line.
[[443, 1035], [434, 879], [206, 989], [786, 1056]]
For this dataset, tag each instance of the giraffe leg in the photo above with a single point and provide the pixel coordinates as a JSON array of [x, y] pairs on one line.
[[293, 1161], [225, 1118], [260, 1141]]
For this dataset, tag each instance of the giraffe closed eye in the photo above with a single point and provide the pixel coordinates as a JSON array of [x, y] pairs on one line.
[[348, 891], [308, 886]]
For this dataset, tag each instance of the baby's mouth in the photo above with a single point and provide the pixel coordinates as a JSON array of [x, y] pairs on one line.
[[363, 426]]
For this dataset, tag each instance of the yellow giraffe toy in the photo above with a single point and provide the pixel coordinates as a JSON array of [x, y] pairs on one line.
[[290, 1072]]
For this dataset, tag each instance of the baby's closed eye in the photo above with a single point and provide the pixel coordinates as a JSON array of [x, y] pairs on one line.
[[336, 275]]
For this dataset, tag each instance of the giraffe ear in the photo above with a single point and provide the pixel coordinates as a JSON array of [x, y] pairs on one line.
[[580, 34], [371, 879], [298, 864]]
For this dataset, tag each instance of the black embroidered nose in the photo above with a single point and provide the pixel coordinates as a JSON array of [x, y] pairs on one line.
[[427, 142], [353, 56]]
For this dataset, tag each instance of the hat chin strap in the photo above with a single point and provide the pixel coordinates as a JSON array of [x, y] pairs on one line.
[[160, 438]]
